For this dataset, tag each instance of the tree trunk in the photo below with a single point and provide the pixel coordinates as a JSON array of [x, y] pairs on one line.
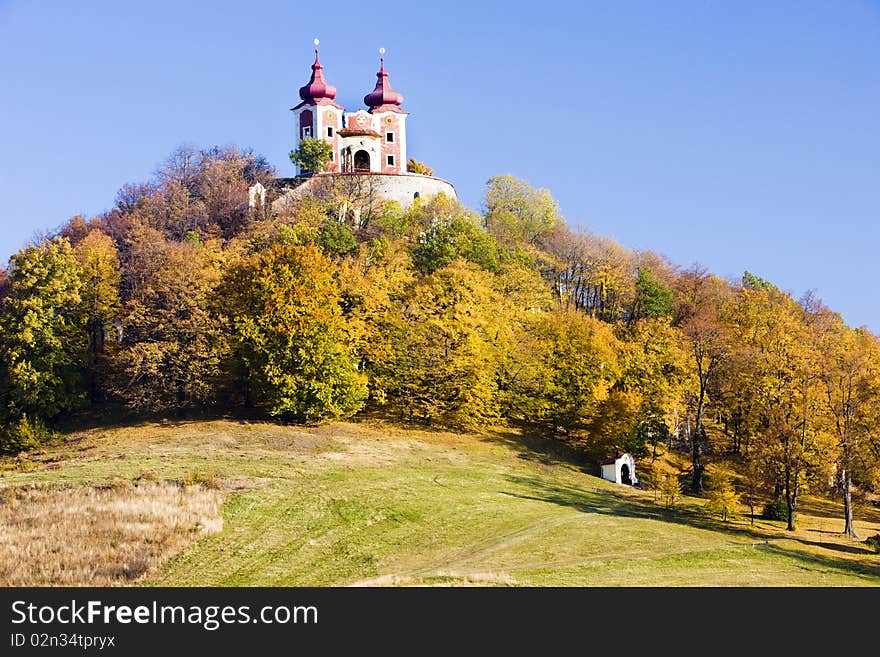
[[696, 447], [791, 503], [697, 482], [846, 484], [791, 496], [247, 389]]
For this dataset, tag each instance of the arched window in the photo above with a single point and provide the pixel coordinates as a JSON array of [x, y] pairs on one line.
[[305, 124], [361, 161]]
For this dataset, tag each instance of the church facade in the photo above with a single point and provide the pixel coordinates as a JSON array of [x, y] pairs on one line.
[[367, 140], [368, 143]]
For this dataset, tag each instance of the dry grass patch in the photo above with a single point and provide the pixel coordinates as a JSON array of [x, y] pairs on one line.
[[441, 578], [99, 536]]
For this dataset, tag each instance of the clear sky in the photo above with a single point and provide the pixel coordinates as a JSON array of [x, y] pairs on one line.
[[742, 134]]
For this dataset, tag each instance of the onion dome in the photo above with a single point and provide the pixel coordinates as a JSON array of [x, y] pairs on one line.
[[383, 97], [317, 90]]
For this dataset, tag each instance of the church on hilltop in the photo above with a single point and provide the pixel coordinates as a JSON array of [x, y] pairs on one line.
[[368, 147]]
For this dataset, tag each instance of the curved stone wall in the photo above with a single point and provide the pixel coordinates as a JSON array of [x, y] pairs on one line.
[[403, 188]]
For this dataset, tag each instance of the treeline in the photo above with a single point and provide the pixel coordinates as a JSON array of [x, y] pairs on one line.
[[183, 297]]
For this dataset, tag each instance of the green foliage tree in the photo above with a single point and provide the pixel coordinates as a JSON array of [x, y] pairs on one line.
[[458, 238], [312, 155], [753, 282], [336, 239], [43, 342], [652, 299], [284, 313]]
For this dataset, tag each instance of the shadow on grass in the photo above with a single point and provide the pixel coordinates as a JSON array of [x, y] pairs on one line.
[[608, 502], [838, 547], [544, 450], [115, 416], [834, 509]]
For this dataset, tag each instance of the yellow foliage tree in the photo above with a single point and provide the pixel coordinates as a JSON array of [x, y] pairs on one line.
[[414, 166]]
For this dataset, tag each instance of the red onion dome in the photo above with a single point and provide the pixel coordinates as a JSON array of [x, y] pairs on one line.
[[383, 94], [317, 89]]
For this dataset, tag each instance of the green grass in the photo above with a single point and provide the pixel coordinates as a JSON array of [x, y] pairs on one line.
[[372, 504]]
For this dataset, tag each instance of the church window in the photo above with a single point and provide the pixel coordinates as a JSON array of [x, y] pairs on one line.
[[390, 160], [329, 130], [389, 137], [307, 131]]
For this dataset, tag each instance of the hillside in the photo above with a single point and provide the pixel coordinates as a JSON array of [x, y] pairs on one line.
[[372, 504]]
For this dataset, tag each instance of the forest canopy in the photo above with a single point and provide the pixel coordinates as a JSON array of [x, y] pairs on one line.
[[182, 296]]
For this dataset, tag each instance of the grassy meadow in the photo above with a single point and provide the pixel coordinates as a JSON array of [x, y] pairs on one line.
[[233, 503]]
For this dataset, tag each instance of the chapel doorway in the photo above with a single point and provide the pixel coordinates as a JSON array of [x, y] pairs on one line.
[[361, 161]]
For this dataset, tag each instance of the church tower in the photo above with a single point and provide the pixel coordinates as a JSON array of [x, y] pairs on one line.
[[389, 120], [317, 115]]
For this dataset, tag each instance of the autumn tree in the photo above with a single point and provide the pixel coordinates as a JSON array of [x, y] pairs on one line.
[[426, 213], [700, 317], [284, 313], [581, 361], [201, 191], [850, 366], [784, 385], [374, 284], [353, 200], [723, 498], [222, 183], [414, 166], [638, 413], [517, 213], [172, 342], [522, 369], [100, 274], [447, 340], [592, 274]]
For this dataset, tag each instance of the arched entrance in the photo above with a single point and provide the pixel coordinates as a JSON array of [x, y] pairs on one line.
[[625, 477], [361, 161]]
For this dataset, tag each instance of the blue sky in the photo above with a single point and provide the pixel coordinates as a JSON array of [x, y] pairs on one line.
[[741, 134]]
